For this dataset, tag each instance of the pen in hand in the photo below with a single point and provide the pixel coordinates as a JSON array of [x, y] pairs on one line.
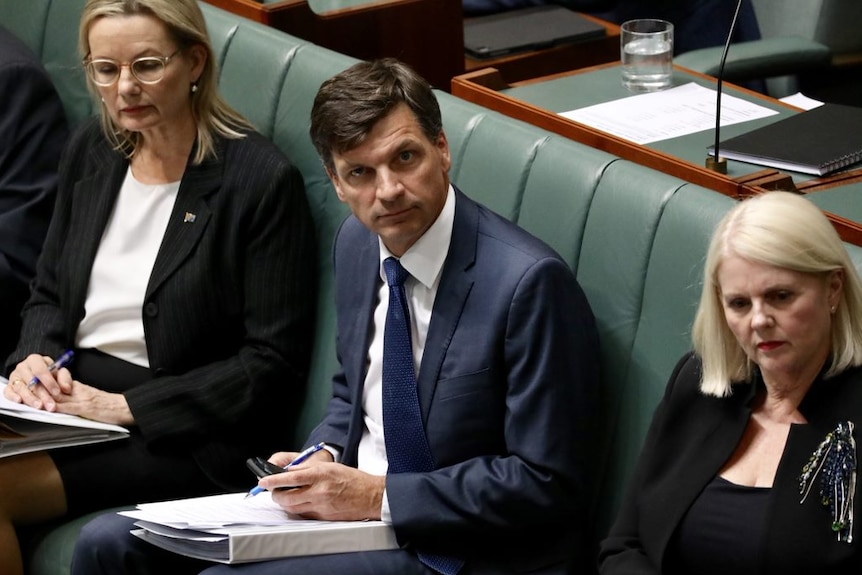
[[299, 459], [61, 362]]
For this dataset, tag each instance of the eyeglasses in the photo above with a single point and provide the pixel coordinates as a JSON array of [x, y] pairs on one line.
[[147, 70]]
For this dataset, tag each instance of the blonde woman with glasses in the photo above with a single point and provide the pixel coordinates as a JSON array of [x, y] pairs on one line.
[[176, 269]]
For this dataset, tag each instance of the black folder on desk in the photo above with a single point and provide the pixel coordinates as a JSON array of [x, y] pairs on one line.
[[820, 141], [527, 29]]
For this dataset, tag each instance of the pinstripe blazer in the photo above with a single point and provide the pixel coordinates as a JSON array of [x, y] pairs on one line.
[[229, 306]]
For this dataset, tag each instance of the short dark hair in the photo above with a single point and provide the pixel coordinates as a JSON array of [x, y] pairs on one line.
[[349, 104]]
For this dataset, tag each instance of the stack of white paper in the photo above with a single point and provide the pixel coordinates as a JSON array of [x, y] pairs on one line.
[[24, 429], [232, 529]]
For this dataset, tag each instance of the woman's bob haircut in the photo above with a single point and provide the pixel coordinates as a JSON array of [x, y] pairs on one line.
[[783, 230]]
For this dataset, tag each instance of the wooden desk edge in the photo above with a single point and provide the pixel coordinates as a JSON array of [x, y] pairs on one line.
[[369, 6], [478, 92], [833, 181], [848, 230], [260, 12], [245, 8]]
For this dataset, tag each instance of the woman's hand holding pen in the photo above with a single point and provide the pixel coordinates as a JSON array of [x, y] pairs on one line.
[[37, 381], [43, 383]]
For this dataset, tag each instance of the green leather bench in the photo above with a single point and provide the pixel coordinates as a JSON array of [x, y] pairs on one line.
[[635, 237]]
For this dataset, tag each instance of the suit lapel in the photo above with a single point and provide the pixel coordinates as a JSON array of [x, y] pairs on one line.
[[715, 443], [94, 199], [455, 285], [367, 278], [189, 218]]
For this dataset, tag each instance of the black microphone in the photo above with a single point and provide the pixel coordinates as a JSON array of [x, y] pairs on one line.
[[715, 162]]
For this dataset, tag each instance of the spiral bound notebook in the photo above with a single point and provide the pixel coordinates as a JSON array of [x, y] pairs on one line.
[[526, 29], [819, 142]]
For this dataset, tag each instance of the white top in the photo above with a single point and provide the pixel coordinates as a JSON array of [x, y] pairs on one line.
[[424, 261], [113, 320]]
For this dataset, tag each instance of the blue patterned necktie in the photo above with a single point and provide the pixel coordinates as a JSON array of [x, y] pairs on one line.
[[406, 445]]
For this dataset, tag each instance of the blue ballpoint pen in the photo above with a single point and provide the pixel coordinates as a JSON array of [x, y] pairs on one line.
[[299, 459], [63, 361]]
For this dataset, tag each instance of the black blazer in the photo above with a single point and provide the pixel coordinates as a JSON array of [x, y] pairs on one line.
[[690, 439], [229, 306], [507, 387], [33, 132]]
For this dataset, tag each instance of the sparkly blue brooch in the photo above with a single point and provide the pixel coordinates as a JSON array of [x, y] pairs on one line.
[[834, 461]]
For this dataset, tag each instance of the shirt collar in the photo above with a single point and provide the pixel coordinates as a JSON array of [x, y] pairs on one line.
[[424, 260]]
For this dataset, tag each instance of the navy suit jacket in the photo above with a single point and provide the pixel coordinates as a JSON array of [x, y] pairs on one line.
[[507, 386], [691, 438], [228, 310], [33, 132]]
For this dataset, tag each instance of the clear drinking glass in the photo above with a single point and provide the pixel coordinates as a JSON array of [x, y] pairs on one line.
[[646, 51]]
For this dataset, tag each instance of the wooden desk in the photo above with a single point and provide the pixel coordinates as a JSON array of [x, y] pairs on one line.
[[536, 63], [426, 34], [539, 102]]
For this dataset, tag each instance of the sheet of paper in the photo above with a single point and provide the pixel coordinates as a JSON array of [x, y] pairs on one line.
[[217, 511], [656, 116], [800, 100], [184, 534], [22, 411]]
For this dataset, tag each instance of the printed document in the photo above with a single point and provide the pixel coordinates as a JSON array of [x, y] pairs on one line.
[[656, 116]]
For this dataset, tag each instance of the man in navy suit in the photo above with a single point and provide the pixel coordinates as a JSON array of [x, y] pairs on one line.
[[33, 132], [504, 348]]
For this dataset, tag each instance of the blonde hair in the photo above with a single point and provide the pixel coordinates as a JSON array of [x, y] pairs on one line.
[[784, 230], [185, 22]]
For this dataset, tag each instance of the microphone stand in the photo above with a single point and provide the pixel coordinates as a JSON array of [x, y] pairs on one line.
[[715, 162]]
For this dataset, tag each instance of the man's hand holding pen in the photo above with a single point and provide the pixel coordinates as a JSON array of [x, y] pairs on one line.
[[323, 489]]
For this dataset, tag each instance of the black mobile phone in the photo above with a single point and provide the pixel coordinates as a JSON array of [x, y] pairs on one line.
[[261, 467]]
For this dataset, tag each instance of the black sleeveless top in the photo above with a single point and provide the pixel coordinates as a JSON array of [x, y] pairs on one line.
[[722, 531]]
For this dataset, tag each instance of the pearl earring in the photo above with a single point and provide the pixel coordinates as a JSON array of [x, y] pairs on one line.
[[194, 87]]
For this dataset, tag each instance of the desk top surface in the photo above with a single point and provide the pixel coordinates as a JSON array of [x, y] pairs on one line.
[[554, 59], [570, 92]]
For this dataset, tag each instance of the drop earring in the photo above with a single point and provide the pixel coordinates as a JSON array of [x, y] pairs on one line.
[[194, 87]]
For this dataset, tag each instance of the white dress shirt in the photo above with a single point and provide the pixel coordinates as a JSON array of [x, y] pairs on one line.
[[424, 261]]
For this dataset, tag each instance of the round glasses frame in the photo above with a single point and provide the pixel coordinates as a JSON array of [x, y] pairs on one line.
[[143, 69]]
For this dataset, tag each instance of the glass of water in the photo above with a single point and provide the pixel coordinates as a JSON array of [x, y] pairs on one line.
[[646, 51]]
